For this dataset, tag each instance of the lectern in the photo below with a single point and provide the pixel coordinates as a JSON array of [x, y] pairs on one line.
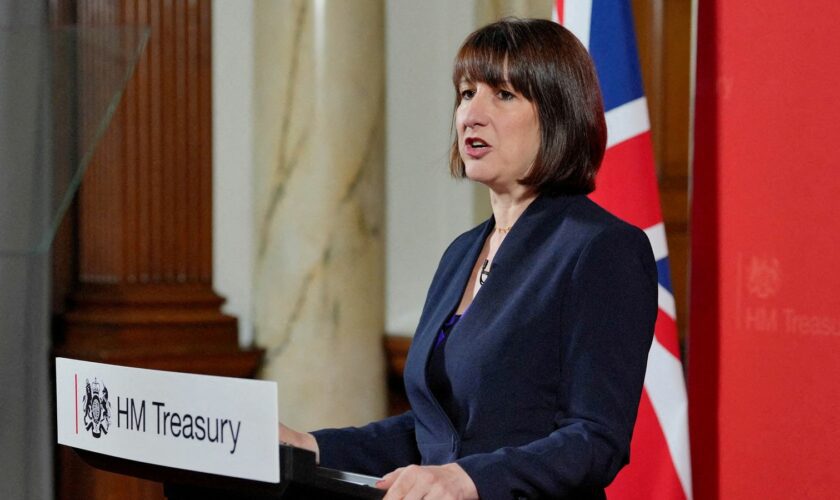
[[300, 478]]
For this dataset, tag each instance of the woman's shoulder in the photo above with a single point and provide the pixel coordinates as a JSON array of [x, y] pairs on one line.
[[581, 214], [582, 208], [581, 220]]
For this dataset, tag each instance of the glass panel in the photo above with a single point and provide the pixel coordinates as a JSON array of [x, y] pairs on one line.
[[58, 91]]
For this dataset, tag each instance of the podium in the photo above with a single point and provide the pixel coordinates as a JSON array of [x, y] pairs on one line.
[[300, 478]]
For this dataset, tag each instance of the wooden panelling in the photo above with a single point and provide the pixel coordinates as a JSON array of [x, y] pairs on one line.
[[149, 185], [139, 258], [396, 350], [664, 34]]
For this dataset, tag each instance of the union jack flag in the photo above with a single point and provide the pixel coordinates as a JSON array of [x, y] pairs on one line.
[[660, 466]]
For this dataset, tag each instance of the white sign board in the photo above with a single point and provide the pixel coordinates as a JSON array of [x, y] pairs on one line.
[[218, 425]]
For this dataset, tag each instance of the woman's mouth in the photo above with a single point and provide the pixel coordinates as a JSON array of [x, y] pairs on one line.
[[476, 147]]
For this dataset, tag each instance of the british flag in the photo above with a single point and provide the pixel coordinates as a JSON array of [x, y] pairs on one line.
[[660, 466]]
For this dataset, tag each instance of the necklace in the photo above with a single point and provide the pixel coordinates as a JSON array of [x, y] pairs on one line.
[[485, 268]]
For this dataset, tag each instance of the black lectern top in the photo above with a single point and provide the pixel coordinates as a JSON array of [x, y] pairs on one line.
[[300, 478]]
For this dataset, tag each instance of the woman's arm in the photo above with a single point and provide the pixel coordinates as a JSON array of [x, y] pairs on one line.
[[375, 449]]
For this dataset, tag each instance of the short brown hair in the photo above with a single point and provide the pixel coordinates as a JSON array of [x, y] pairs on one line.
[[547, 64]]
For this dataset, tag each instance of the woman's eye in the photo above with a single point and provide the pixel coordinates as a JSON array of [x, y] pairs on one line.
[[506, 95], [467, 94]]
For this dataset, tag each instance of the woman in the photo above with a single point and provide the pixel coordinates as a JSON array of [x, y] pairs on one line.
[[526, 369]]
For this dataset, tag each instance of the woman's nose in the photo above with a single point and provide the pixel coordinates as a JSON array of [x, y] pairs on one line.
[[475, 111]]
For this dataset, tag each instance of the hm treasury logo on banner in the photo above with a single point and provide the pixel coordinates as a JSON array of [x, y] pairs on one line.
[[216, 425], [97, 408]]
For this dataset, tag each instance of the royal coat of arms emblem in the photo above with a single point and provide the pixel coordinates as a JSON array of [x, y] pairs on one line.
[[97, 408]]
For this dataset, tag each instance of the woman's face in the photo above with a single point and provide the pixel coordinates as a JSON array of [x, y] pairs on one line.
[[498, 134]]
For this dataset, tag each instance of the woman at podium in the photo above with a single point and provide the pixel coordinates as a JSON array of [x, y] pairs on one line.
[[527, 365]]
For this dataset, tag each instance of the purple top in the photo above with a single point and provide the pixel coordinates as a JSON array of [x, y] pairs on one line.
[[446, 328], [436, 375]]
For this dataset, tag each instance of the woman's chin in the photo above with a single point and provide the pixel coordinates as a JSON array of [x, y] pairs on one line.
[[482, 176], [478, 175], [481, 180]]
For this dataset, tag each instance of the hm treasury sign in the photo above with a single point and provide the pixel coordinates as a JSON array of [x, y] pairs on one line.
[[217, 425]]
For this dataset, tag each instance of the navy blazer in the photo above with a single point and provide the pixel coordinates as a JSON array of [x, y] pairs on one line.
[[546, 366]]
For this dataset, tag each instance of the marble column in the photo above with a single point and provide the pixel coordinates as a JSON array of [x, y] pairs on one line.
[[319, 197], [488, 11]]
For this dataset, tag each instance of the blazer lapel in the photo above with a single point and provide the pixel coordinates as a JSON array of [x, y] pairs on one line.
[[449, 301]]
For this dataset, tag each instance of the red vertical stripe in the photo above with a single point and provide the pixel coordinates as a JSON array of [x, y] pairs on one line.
[[560, 11], [704, 342]]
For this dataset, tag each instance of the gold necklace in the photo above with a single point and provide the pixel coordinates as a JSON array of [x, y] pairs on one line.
[[502, 230]]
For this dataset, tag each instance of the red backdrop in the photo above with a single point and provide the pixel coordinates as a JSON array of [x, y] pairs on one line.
[[764, 339]]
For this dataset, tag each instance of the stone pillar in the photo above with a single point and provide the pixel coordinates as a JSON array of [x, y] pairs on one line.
[[319, 198], [488, 11]]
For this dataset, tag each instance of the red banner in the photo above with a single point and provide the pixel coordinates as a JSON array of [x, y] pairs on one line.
[[764, 337]]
